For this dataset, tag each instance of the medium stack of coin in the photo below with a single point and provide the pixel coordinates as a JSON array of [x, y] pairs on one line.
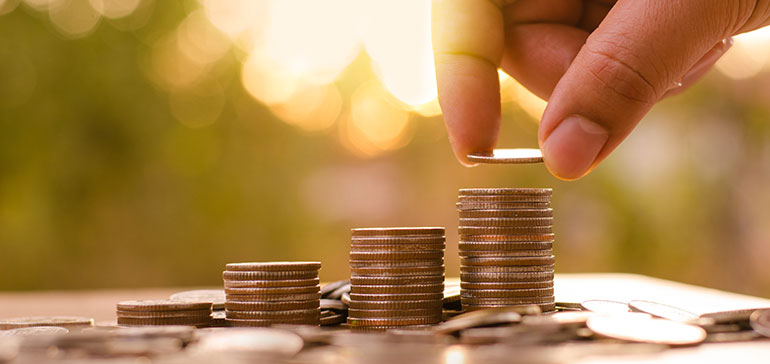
[[397, 277], [267, 293], [506, 247], [164, 312]]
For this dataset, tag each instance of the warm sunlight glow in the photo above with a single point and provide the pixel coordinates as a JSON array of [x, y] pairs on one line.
[[748, 56], [376, 122], [74, 18], [312, 108], [115, 9]]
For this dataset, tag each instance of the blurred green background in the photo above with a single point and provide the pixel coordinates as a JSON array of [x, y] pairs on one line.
[[147, 143]]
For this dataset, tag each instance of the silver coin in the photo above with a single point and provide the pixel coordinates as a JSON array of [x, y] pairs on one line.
[[605, 306], [479, 318], [646, 330], [662, 311], [508, 156], [215, 296]]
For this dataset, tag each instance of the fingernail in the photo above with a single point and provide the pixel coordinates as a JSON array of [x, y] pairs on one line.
[[571, 148]]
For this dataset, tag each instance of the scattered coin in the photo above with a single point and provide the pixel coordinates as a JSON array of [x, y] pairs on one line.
[[164, 314], [333, 305], [328, 288], [656, 331], [333, 319], [662, 311], [734, 316], [35, 331], [605, 306], [482, 318]]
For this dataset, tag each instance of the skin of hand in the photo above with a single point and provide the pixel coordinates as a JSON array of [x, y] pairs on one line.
[[601, 64]]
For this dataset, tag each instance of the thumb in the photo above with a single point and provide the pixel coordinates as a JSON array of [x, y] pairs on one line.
[[639, 51]]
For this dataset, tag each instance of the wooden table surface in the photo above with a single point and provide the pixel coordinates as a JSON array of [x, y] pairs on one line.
[[100, 305]]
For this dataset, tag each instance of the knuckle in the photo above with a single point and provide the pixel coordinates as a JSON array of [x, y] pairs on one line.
[[614, 67]]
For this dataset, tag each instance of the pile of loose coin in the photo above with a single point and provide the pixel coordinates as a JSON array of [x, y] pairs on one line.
[[267, 293], [397, 277], [163, 312], [506, 241]]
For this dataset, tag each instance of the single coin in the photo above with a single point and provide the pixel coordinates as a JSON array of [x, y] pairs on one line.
[[333, 305], [311, 314], [397, 240], [395, 321], [507, 222], [161, 305], [35, 331], [505, 300], [467, 206], [505, 293], [508, 261], [397, 271], [510, 214], [60, 321], [736, 336], [278, 275], [265, 323], [272, 290], [337, 294], [215, 296], [152, 321], [436, 311], [394, 305], [416, 255], [760, 321], [412, 288], [405, 280], [605, 306], [506, 191], [399, 231], [505, 253], [162, 314], [734, 316], [564, 319], [504, 198], [397, 247], [452, 296], [505, 269], [335, 319], [506, 285], [507, 238], [646, 330], [662, 311], [273, 266], [270, 283], [396, 297], [389, 264], [501, 246], [475, 230], [328, 288], [506, 277], [273, 297], [491, 317], [508, 156], [542, 307], [271, 305], [572, 305]]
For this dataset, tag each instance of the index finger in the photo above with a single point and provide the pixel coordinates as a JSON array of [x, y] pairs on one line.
[[468, 41]]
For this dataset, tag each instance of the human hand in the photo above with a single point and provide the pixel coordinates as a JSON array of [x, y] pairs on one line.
[[602, 64]]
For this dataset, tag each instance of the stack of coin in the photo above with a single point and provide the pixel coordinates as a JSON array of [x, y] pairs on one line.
[[164, 312], [506, 241], [397, 277], [267, 293]]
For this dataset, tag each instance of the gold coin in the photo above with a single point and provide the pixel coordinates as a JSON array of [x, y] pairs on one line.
[[273, 266], [507, 222], [507, 261], [386, 289], [162, 305], [271, 283], [508, 156], [490, 214], [271, 305], [398, 231]]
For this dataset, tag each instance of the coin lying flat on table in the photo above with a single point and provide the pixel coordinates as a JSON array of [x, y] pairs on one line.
[[605, 306], [646, 330], [488, 317], [760, 321], [508, 156], [734, 316], [662, 311], [69, 322], [215, 296]]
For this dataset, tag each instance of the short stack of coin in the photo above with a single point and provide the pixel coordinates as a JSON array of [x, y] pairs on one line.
[[164, 312], [267, 293], [506, 247], [397, 277]]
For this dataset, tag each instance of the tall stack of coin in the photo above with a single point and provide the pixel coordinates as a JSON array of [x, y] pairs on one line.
[[164, 312], [506, 241], [397, 277], [267, 293]]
